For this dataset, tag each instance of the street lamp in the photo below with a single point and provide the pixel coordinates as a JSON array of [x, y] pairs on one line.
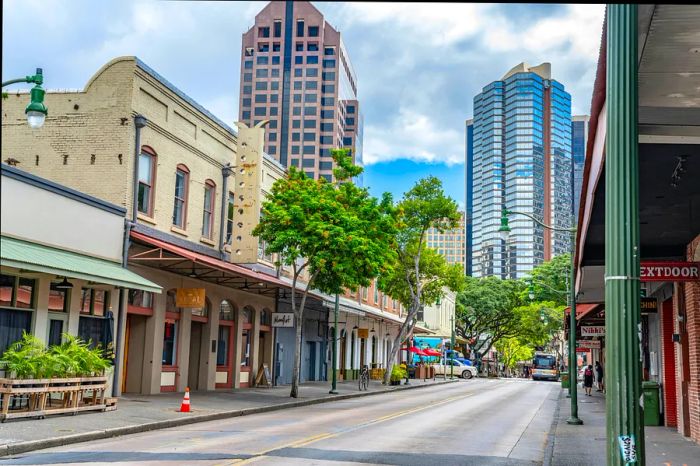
[[504, 230], [36, 110]]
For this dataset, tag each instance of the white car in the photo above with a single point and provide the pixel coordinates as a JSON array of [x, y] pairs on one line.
[[460, 369]]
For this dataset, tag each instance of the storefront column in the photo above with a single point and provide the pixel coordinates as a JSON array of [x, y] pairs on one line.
[[238, 347], [153, 346], [208, 362], [254, 346], [183, 349], [622, 270], [74, 309], [41, 316]]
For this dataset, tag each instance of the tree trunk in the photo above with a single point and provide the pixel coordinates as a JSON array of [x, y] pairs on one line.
[[406, 328], [297, 356]]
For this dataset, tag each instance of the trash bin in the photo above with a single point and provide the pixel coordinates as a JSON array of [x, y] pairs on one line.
[[564, 379], [651, 403]]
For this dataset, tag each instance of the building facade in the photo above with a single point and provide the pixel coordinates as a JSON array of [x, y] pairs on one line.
[[521, 161], [296, 73], [579, 138], [469, 201], [451, 244]]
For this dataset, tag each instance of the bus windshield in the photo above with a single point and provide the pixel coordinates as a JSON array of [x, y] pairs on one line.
[[544, 362]]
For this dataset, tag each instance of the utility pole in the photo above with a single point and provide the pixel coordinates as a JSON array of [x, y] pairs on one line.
[[624, 426], [335, 347]]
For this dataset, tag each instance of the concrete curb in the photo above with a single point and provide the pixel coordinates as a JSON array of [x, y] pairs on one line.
[[31, 445], [549, 447]]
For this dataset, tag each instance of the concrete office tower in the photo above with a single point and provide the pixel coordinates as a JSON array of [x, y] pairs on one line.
[[579, 138], [450, 244], [296, 73], [521, 160]]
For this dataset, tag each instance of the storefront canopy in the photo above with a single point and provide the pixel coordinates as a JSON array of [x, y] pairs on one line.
[[38, 258]]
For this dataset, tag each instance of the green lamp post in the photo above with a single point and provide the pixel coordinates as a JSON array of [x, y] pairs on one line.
[[504, 231], [36, 110]]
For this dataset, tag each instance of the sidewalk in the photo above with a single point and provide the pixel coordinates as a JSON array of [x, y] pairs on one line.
[[136, 413], [585, 445]]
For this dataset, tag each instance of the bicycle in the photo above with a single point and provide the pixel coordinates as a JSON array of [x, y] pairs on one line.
[[364, 378]]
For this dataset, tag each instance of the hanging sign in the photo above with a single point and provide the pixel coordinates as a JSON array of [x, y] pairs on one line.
[[648, 305], [589, 344], [593, 331], [283, 319], [362, 333], [190, 297], [665, 271]]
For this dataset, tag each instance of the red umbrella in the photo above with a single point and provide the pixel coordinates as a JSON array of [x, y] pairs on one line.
[[432, 352], [415, 349]]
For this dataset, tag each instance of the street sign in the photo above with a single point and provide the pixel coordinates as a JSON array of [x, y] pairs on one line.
[[362, 333], [648, 305], [283, 319], [593, 331], [669, 271]]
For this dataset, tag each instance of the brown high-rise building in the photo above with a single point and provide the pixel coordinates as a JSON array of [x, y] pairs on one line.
[[296, 73]]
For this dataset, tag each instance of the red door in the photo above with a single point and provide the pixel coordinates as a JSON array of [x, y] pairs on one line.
[[669, 365]]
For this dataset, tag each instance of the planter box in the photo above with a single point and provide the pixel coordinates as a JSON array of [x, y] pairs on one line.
[[395, 382], [39, 391]]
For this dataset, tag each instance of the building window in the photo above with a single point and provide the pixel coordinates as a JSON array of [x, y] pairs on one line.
[[248, 64], [310, 123], [274, 85], [297, 85], [263, 60], [295, 150], [325, 114], [309, 111], [261, 73], [223, 345], [263, 47], [245, 115], [208, 215], [325, 165], [299, 60], [349, 121], [247, 77], [309, 150], [347, 141], [226, 310], [58, 299], [246, 101], [312, 60], [312, 72], [275, 60], [94, 302], [229, 218], [312, 47], [277, 28], [309, 137], [299, 46], [328, 88], [260, 111], [313, 31], [326, 139], [264, 31], [329, 50], [275, 46], [296, 137], [329, 63], [308, 163], [17, 294], [170, 344], [376, 293], [350, 109], [298, 72], [247, 90], [300, 28], [260, 98], [326, 127], [296, 124], [310, 98], [182, 175], [140, 299], [297, 98], [275, 73], [272, 137], [326, 101], [311, 85], [147, 171]]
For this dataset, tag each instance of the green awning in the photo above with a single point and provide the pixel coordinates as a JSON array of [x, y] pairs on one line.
[[35, 257]]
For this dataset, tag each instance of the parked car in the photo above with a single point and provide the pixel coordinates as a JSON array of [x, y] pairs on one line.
[[460, 369]]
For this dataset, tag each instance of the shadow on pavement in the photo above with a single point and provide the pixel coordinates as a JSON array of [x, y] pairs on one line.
[[116, 457]]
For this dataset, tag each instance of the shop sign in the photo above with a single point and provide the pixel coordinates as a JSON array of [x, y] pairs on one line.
[[665, 271], [648, 305], [283, 319], [362, 333], [593, 331], [190, 297], [589, 344]]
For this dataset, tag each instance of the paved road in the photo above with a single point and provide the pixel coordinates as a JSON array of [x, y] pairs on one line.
[[473, 422]]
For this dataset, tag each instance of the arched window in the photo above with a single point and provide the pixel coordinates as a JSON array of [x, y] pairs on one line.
[[170, 301], [203, 311], [247, 315], [226, 310], [208, 209], [182, 181], [147, 180], [265, 317]]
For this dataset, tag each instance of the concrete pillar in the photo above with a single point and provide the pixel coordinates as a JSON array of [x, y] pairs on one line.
[[238, 347], [183, 349], [254, 346], [41, 316], [210, 333], [74, 306], [153, 348]]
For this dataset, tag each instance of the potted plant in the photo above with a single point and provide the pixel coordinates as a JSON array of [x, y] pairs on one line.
[[397, 374]]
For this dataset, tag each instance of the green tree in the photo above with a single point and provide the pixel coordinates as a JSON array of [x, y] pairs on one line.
[[539, 322], [485, 311], [513, 350], [550, 280], [333, 235], [418, 275]]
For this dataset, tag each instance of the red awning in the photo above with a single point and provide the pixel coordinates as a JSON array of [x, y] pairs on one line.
[[432, 352], [582, 310], [204, 260]]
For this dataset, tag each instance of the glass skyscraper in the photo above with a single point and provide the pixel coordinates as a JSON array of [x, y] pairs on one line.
[[579, 137], [519, 159]]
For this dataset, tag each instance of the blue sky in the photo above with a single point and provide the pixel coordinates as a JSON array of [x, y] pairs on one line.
[[419, 65]]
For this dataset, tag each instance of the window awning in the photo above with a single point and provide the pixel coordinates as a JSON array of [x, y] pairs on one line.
[[582, 310], [38, 258]]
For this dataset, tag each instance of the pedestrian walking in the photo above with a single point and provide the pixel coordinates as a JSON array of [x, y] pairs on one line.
[[588, 380], [599, 375]]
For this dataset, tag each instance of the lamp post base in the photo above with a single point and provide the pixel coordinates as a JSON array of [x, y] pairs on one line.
[[574, 421], [333, 392]]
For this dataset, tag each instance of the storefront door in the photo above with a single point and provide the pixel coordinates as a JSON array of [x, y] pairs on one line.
[[57, 325], [195, 355]]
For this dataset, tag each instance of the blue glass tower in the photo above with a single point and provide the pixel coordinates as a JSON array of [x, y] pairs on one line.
[[520, 160], [579, 137]]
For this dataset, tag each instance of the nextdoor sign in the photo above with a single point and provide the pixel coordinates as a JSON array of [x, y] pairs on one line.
[[670, 271], [283, 319], [593, 331]]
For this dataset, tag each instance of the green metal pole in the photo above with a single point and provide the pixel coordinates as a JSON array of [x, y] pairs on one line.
[[335, 347], [452, 344], [573, 373], [622, 288]]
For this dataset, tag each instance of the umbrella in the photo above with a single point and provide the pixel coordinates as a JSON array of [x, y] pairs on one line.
[[432, 352]]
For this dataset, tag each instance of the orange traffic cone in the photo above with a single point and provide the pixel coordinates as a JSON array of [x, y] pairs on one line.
[[185, 406]]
